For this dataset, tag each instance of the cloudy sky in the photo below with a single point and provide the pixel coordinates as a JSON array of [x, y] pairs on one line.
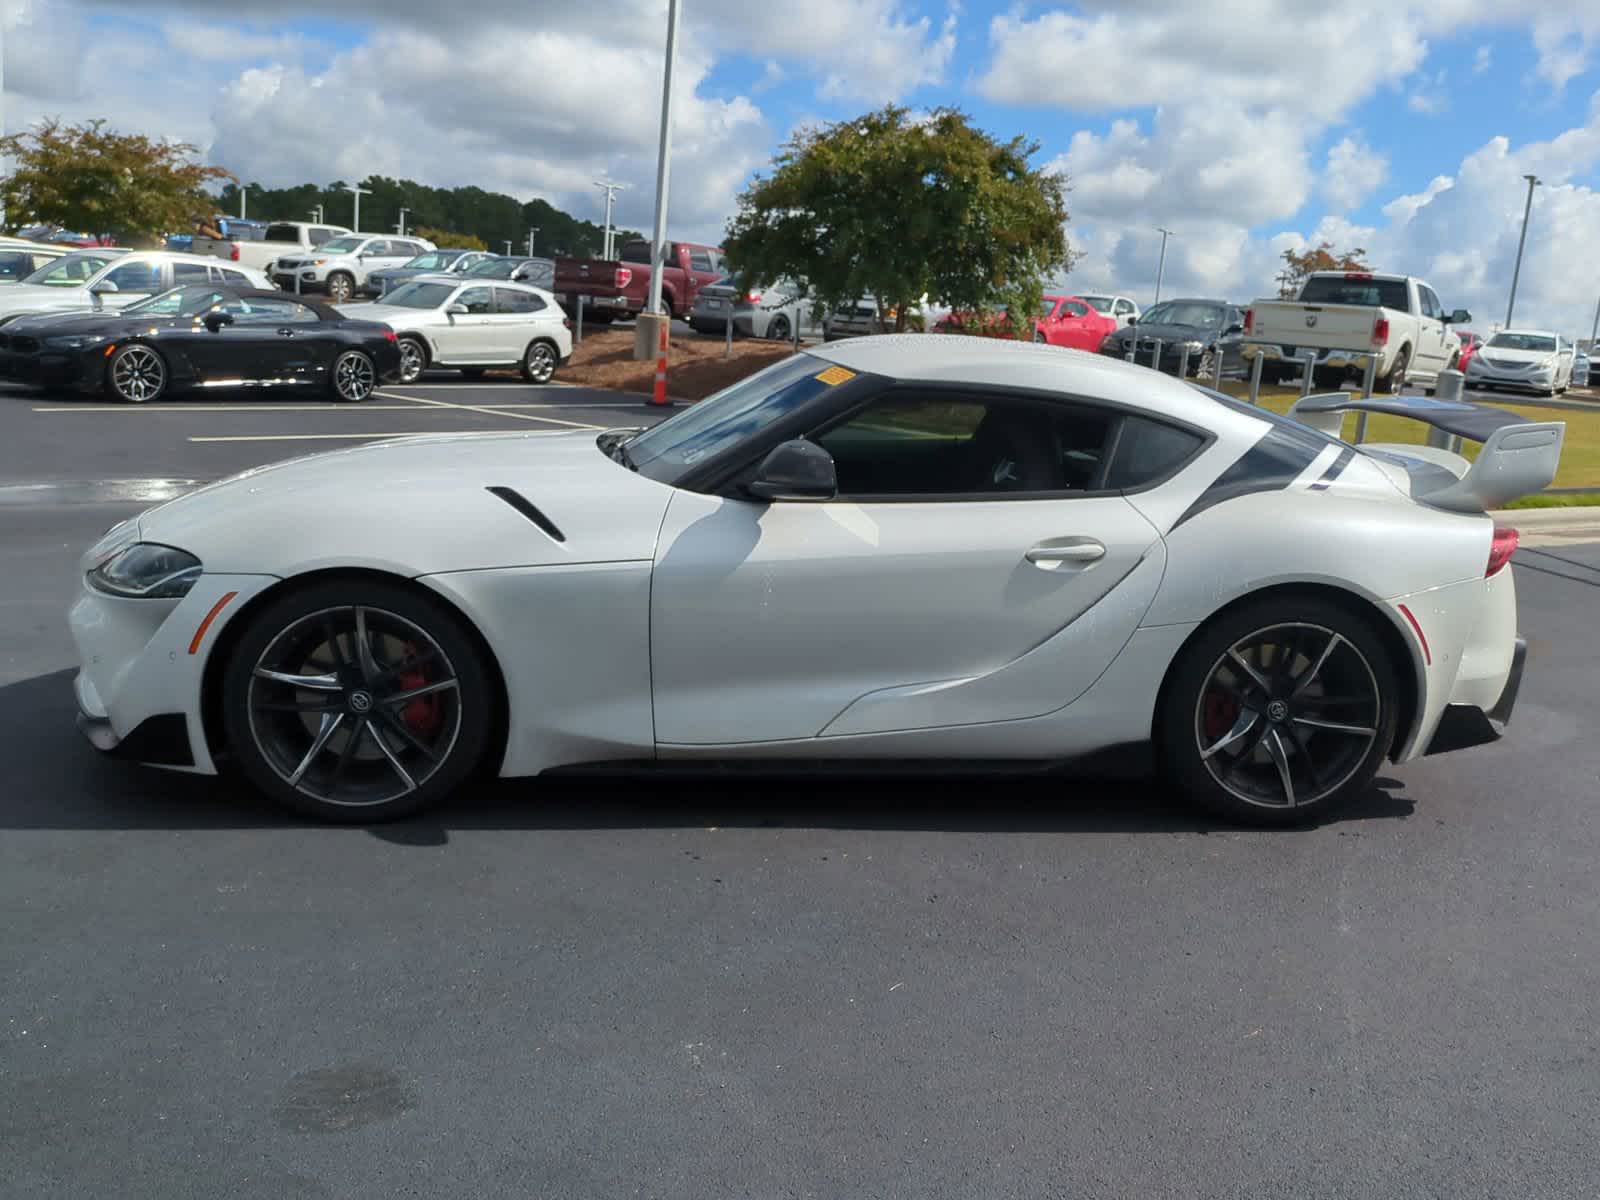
[[1245, 126]]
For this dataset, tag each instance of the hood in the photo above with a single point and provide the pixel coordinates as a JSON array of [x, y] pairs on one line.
[[379, 313], [36, 297], [1520, 358], [419, 506], [45, 325], [1170, 333]]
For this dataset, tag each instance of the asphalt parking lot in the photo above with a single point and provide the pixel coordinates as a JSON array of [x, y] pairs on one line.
[[954, 986]]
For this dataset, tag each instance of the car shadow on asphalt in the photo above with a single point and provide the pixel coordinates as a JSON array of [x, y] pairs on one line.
[[60, 783]]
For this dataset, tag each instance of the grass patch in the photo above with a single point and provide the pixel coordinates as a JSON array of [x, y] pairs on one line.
[[1575, 500]]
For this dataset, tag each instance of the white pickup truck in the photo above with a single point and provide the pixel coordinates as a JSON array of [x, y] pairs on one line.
[[279, 239], [1345, 315]]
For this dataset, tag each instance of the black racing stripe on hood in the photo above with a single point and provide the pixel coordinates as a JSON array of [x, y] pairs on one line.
[[1271, 465], [1335, 470]]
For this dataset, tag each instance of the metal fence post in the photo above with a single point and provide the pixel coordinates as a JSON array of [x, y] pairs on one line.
[[580, 318], [1133, 351], [1256, 364], [1183, 362], [1155, 356], [727, 345], [1310, 357], [1216, 356], [1368, 378]]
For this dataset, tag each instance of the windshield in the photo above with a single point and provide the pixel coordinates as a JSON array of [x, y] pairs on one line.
[[179, 302], [433, 261], [1098, 303], [72, 271], [342, 245], [420, 295], [732, 415], [282, 233], [1342, 289], [494, 268], [1183, 312], [1522, 341]]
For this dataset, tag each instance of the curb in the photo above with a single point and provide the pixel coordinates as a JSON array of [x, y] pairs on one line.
[[1552, 519]]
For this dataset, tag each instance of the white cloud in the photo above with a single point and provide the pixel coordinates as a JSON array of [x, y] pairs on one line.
[[1482, 59], [1353, 173]]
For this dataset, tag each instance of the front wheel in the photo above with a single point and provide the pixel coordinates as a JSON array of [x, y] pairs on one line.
[[354, 377], [413, 360], [539, 362], [136, 374], [357, 701], [340, 287], [1279, 711]]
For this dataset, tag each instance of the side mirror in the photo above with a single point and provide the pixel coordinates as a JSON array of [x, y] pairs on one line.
[[1460, 317], [104, 288], [1235, 328], [796, 470], [214, 321], [1133, 320], [456, 310]]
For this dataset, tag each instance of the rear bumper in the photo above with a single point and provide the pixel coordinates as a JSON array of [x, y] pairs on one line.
[[1276, 352], [1465, 725]]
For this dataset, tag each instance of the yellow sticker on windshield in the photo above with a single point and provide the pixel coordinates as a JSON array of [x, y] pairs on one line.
[[834, 375]]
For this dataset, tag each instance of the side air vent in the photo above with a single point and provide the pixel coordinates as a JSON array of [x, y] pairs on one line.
[[527, 508]]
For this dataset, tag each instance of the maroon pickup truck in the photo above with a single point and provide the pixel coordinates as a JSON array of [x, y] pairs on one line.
[[621, 288]]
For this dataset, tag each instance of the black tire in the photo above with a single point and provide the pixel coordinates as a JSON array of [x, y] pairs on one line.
[[354, 377], [474, 372], [1328, 377], [1039, 338], [358, 780], [413, 359], [341, 288], [137, 374], [539, 361], [1395, 380], [1271, 374], [1206, 747], [779, 330]]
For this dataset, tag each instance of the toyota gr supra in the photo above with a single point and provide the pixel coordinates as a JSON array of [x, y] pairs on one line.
[[895, 548]]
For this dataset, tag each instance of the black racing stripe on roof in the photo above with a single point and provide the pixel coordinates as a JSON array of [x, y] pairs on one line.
[[1271, 465], [1335, 470]]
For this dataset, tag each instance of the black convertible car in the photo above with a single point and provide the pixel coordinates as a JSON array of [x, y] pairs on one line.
[[201, 336]]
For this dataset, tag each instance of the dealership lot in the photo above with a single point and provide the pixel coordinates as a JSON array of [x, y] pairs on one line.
[[959, 985]]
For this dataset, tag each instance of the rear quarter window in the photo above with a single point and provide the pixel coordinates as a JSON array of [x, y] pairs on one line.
[[1148, 451]]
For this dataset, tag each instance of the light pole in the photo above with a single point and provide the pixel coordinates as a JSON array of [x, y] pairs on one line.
[[532, 233], [611, 190], [1595, 328], [357, 191], [508, 247], [1511, 304], [663, 160], [316, 214], [401, 228], [244, 193], [1161, 267]]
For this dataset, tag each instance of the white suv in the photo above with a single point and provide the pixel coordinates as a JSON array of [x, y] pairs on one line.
[[1119, 308], [340, 266]]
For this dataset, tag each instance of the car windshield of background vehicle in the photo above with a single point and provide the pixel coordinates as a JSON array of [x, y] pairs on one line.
[[342, 245], [1522, 341], [636, 252], [732, 415], [179, 302], [1369, 293], [1100, 303], [431, 262], [493, 268], [282, 233], [71, 271], [420, 295], [1182, 313]]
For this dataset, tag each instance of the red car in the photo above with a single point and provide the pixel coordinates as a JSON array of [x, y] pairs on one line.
[[1069, 321], [1471, 343]]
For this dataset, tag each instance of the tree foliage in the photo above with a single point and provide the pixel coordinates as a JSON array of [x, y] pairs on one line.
[[901, 207], [446, 240], [491, 217], [91, 179], [1317, 258]]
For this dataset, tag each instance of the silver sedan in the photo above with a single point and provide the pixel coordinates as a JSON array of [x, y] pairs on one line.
[[774, 311]]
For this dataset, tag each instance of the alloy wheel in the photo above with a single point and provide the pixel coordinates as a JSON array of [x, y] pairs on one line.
[[339, 289], [138, 374], [353, 376], [354, 706], [1287, 715], [412, 360], [540, 363]]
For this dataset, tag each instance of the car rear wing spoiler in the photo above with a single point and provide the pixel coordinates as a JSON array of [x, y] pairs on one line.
[[1518, 456]]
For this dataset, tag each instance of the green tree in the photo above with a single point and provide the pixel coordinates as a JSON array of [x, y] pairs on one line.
[[92, 179], [1317, 258], [446, 240], [900, 208]]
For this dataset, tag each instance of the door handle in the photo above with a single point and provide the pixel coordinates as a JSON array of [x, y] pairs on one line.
[[285, 333], [1066, 550]]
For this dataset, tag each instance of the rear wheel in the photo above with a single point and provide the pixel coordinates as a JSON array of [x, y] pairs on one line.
[[539, 362], [1395, 380], [357, 701], [136, 374], [1271, 374], [780, 330], [1279, 711], [354, 377]]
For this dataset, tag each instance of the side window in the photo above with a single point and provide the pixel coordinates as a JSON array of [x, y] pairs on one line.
[[15, 265], [1073, 309], [477, 299], [235, 278], [509, 300], [183, 273], [699, 260], [137, 277], [317, 235], [938, 444], [1148, 451], [1124, 308], [1430, 302]]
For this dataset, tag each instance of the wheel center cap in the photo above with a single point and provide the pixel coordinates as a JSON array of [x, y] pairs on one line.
[[360, 702], [1278, 710]]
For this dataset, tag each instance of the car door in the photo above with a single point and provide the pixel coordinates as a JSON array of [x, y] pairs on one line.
[[1077, 327], [515, 319], [246, 349], [1433, 351], [950, 582], [473, 336]]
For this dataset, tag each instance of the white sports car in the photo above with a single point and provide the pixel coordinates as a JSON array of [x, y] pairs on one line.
[[896, 548]]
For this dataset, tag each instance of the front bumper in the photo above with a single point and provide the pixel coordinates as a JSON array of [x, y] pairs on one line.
[[49, 371], [1480, 373]]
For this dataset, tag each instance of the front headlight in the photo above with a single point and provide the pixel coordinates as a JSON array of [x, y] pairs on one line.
[[317, 262], [1194, 347], [147, 571], [76, 341]]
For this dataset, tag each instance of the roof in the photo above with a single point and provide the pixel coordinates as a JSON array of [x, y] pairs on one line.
[[937, 358]]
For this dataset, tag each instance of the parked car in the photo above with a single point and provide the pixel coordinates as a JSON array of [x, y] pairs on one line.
[[341, 265], [232, 228], [621, 287], [894, 549], [540, 272], [862, 319], [200, 336], [1531, 359], [1471, 343], [996, 322], [60, 236], [434, 262], [278, 239], [774, 310], [1342, 316], [100, 279], [1580, 369], [20, 258], [1073, 322], [1121, 309], [472, 327], [1204, 328]]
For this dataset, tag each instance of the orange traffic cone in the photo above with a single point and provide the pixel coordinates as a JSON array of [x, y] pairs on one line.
[[660, 395]]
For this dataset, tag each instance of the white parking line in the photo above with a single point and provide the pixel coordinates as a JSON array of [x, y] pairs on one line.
[[481, 410], [415, 404], [369, 437]]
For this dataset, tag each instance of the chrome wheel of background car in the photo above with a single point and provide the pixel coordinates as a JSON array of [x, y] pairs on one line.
[[1288, 715], [137, 374], [779, 330], [354, 707], [539, 363], [412, 360], [340, 288], [354, 376]]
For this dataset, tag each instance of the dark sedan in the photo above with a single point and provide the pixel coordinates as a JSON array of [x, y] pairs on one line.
[[201, 337], [1205, 327]]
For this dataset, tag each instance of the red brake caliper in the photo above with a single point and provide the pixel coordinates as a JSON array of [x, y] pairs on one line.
[[1218, 713], [425, 715]]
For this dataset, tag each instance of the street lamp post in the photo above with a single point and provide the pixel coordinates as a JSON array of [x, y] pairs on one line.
[[244, 193], [611, 190], [1161, 267], [401, 228], [1516, 271], [316, 214], [508, 247], [532, 233], [663, 160], [357, 191]]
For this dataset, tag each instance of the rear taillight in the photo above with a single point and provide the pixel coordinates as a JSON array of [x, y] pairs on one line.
[[234, 252], [389, 336], [623, 276], [1380, 331], [1249, 320], [752, 297], [1358, 274], [1501, 549], [566, 322]]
